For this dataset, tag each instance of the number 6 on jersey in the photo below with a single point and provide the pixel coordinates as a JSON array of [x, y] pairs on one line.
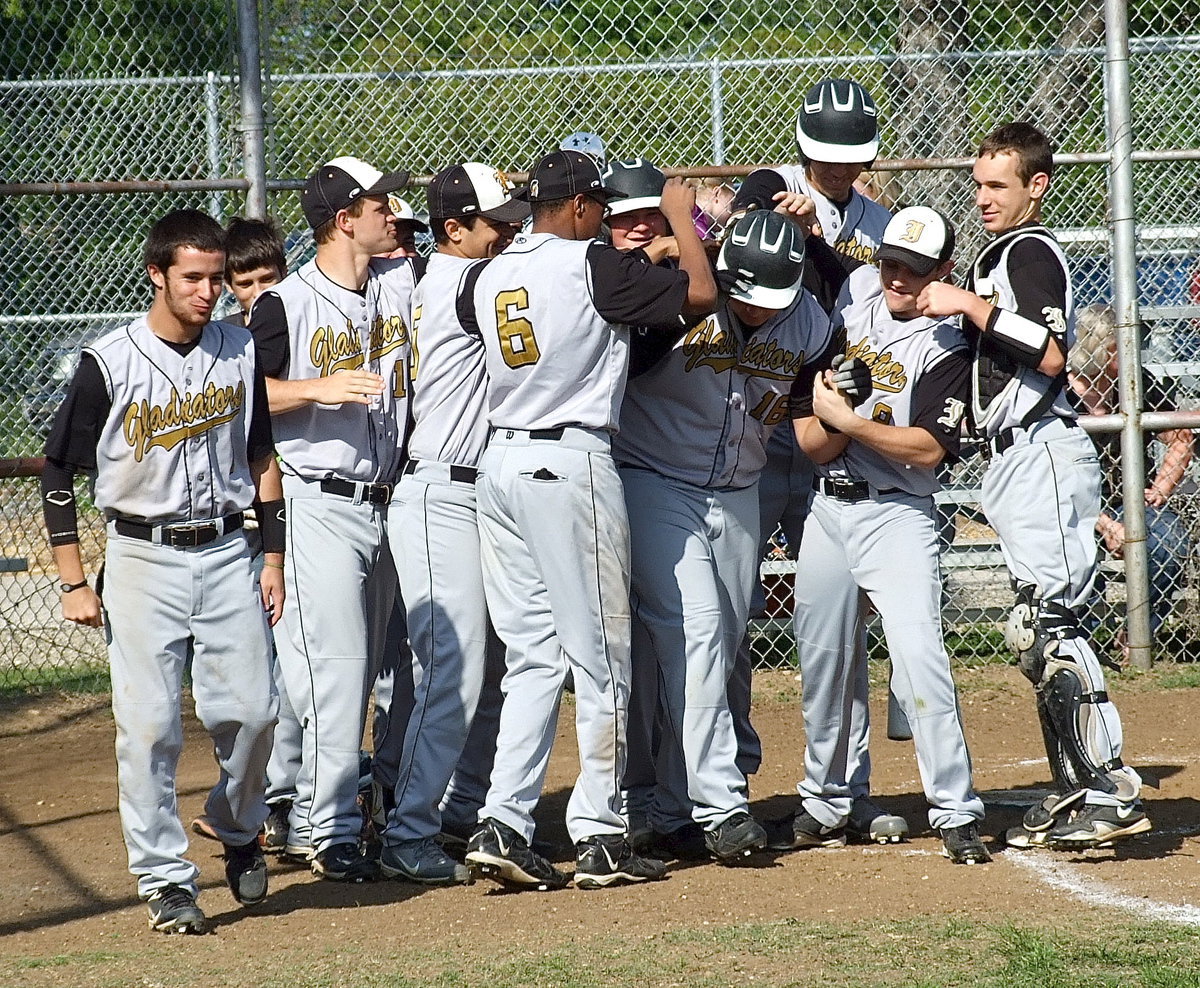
[[517, 343]]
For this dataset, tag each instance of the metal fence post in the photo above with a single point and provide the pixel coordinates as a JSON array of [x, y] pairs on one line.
[[718, 112], [1125, 307], [212, 134], [251, 98]]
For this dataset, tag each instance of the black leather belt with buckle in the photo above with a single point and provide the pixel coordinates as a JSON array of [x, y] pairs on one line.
[[845, 489], [371, 493], [180, 536]]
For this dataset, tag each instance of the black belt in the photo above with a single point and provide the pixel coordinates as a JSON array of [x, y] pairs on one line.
[[180, 536], [464, 475], [1005, 438], [370, 493], [845, 489]]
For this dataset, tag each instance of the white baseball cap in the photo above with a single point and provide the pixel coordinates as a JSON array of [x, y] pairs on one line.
[[475, 189], [918, 237], [338, 183], [403, 211]]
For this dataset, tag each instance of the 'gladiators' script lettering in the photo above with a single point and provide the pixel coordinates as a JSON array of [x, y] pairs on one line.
[[768, 359], [887, 374], [386, 335], [169, 424], [707, 346], [852, 248], [332, 351]]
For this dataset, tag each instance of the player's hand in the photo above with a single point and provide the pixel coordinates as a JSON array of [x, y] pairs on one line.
[[660, 248], [678, 200], [800, 208], [1113, 533], [270, 586], [359, 387], [939, 298], [82, 606], [1155, 498], [830, 405], [852, 377]]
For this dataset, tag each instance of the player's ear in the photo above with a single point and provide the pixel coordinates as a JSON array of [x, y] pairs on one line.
[[344, 221], [1038, 185], [157, 276], [943, 271]]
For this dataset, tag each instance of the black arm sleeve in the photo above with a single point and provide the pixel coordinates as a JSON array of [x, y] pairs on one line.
[[939, 400], [261, 443], [80, 418], [825, 271], [268, 325], [759, 190], [800, 398], [1040, 289], [58, 503], [629, 291]]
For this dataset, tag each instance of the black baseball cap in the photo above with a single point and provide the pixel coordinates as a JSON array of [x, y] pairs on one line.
[[565, 174], [338, 183], [475, 189]]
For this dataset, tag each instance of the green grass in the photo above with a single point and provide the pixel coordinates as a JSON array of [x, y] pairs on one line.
[[15, 683], [921, 952]]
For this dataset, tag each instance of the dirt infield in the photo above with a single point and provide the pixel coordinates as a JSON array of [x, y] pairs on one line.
[[69, 915]]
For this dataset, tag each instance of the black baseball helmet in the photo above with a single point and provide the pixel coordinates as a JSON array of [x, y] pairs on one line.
[[640, 180], [838, 123], [765, 250]]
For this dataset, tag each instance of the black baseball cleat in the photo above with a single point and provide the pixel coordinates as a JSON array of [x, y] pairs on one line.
[[1098, 826], [802, 830], [344, 863], [735, 839], [498, 852], [683, 844], [962, 844], [246, 872], [273, 838], [609, 860], [869, 823], [174, 910]]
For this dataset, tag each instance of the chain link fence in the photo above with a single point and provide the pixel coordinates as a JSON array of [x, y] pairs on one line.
[[108, 92]]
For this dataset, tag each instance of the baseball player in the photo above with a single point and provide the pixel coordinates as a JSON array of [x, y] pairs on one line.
[[692, 442], [432, 522], [1041, 492], [552, 311], [873, 536], [254, 262], [334, 344], [837, 130], [170, 414]]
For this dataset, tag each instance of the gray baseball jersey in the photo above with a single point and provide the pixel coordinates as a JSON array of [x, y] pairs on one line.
[[331, 328], [704, 412], [902, 355], [172, 406], [881, 541], [448, 372]]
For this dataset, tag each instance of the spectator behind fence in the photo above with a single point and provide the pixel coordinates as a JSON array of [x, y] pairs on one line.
[[1092, 371]]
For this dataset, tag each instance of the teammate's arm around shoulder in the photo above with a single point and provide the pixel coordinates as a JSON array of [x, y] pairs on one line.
[[678, 199]]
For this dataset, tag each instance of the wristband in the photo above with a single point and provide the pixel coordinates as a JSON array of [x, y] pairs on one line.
[[273, 565], [272, 524], [68, 587]]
